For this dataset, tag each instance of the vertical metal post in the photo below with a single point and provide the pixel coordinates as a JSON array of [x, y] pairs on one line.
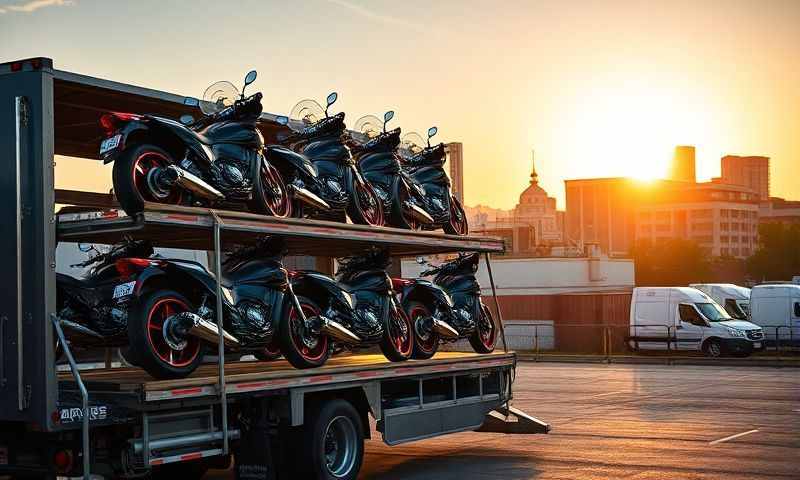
[[496, 302], [19, 116], [146, 439], [536, 341], [223, 395], [84, 397]]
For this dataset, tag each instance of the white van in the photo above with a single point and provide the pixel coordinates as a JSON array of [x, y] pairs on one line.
[[776, 308], [733, 298], [684, 318]]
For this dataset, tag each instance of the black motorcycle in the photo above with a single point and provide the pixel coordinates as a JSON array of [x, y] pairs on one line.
[[215, 160], [322, 177], [375, 150], [357, 311], [425, 165], [165, 309], [449, 308]]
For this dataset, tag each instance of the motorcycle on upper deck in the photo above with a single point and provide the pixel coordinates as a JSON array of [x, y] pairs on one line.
[[324, 180], [449, 308], [425, 166], [216, 160], [375, 150]]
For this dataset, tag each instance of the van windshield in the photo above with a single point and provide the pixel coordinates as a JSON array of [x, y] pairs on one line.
[[713, 312], [735, 309]]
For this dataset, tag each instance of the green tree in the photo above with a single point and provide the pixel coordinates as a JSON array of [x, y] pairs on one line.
[[778, 253], [672, 262]]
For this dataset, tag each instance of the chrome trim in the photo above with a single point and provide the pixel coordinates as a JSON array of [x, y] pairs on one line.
[[19, 105]]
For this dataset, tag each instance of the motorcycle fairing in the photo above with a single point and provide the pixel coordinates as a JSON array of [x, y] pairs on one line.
[[237, 133], [435, 176], [422, 290], [368, 280], [286, 160], [313, 283], [164, 132]]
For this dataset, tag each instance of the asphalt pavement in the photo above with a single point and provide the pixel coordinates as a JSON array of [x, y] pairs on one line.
[[624, 422]]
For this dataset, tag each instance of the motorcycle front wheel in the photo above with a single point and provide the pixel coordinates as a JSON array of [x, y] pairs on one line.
[[425, 343], [300, 346], [457, 224], [365, 206], [485, 334], [133, 180], [397, 343], [149, 330], [270, 195], [401, 216]]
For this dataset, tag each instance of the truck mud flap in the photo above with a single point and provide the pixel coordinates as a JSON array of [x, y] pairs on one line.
[[512, 420]]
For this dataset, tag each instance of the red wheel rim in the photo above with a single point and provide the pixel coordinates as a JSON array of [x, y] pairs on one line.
[[297, 331], [401, 333], [369, 204], [273, 191], [418, 314], [489, 336], [141, 167], [458, 219], [158, 314]]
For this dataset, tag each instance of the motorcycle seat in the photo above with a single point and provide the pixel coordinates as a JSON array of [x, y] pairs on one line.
[[240, 133]]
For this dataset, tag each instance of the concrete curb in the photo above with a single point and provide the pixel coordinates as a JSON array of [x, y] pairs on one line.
[[701, 361]]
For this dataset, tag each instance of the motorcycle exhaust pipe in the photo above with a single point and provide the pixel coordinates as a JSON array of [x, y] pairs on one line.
[[207, 331], [337, 331], [419, 214], [192, 182], [444, 330], [307, 196]]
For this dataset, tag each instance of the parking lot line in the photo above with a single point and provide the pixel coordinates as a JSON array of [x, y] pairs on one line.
[[608, 393], [733, 437]]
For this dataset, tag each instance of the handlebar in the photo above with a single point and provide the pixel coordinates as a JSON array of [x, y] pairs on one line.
[[250, 106]]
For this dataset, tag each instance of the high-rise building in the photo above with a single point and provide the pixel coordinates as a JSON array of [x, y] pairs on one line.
[[455, 153], [752, 172], [683, 164]]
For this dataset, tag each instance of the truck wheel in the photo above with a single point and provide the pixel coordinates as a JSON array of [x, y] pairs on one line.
[[302, 347], [713, 348], [151, 346], [332, 441], [426, 341], [482, 340], [133, 186], [192, 470]]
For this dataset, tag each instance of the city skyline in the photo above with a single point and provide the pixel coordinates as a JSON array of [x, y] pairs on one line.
[[604, 91]]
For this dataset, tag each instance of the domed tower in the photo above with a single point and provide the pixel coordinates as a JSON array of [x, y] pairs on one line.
[[537, 209]]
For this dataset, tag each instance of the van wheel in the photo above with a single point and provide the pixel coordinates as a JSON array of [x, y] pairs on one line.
[[713, 348]]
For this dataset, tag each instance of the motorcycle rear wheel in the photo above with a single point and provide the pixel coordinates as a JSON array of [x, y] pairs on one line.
[[148, 346], [397, 343], [365, 206], [270, 195], [485, 334], [457, 224], [301, 347], [130, 180], [425, 346]]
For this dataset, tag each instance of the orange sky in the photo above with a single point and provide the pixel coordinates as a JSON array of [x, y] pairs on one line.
[[598, 88]]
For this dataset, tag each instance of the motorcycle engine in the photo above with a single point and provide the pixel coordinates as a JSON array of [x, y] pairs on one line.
[[437, 203], [232, 175], [367, 323], [254, 322]]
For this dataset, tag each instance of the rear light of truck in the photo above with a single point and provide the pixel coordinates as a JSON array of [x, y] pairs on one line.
[[63, 461]]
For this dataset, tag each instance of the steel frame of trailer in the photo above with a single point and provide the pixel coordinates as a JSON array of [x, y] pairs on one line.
[[44, 111]]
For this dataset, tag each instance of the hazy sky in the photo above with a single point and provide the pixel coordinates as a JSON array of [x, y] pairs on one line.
[[598, 88]]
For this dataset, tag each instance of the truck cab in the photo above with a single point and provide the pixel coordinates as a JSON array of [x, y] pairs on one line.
[[776, 309], [684, 318]]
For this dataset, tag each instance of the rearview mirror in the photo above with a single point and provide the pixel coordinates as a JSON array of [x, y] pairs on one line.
[[330, 101], [187, 119], [282, 119], [386, 117], [191, 102], [250, 77], [85, 247], [431, 132]]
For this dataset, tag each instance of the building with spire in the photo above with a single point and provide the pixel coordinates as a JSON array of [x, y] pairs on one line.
[[538, 210]]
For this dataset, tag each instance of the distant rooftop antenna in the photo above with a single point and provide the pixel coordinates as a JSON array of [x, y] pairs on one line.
[[534, 175]]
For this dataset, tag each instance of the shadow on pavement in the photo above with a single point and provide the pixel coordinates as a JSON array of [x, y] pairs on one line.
[[469, 464]]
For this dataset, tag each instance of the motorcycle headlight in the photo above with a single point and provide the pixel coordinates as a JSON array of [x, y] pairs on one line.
[[736, 333]]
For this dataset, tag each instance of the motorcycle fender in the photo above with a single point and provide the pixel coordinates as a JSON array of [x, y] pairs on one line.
[[129, 129], [426, 292], [315, 285], [188, 279], [286, 160]]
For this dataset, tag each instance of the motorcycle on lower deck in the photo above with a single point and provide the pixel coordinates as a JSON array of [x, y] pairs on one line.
[[357, 310], [375, 150], [215, 160], [425, 166], [449, 308], [324, 180], [165, 308]]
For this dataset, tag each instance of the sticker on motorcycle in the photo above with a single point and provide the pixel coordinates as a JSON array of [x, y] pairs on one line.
[[124, 289], [110, 144]]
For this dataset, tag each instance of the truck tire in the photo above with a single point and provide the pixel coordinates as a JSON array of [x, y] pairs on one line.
[[331, 442]]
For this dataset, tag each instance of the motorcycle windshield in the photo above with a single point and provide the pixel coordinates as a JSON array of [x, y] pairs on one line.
[[305, 113], [410, 145], [218, 96]]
